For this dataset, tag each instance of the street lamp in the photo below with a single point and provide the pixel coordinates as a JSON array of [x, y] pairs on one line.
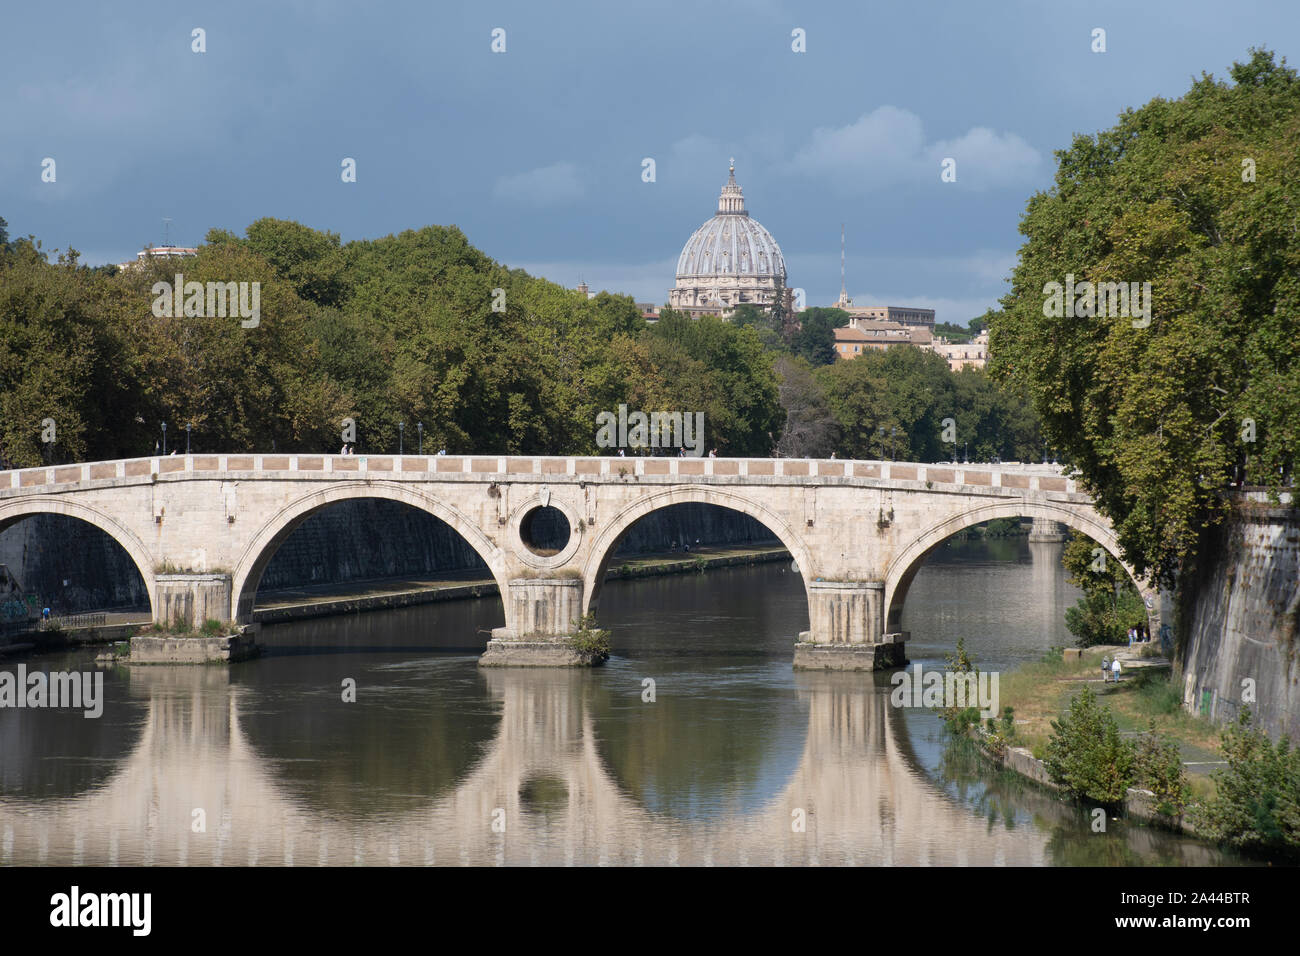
[[419, 427], [188, 426], [164, 427], [401, 433]]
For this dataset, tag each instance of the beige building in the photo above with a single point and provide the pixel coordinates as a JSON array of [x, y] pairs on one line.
[[729, 261], [863, 334], [974, 354]]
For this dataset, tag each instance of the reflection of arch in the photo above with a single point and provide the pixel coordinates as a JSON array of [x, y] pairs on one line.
[[251, 564], [11, 512], [602, 551], [902, 570]]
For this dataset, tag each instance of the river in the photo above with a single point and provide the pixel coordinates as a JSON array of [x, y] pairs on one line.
[[696, 744]]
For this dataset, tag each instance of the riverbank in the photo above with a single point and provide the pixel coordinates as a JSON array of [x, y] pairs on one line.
[[1041, 692], [389, 593]]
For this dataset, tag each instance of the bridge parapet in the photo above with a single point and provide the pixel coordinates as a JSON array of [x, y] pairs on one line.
[[1015, 478]]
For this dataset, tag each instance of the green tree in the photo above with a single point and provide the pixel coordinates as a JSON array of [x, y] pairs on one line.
[[1194, 196], [1256, 801], [1158, 767], [1110, 605], [66, 355], [904, 389], [1086, 755], [761, 321], [713, 366], [815, 339], [810, 428]]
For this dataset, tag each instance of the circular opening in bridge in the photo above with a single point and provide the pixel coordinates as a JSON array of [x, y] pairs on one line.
[[544, 795], [544, 531]]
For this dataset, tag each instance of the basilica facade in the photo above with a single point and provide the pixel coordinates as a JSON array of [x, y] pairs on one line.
[[731, 260]]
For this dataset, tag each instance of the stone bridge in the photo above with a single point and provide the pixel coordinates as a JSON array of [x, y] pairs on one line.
[[202, 528]]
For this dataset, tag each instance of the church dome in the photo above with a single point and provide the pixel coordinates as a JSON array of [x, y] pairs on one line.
[[731, 244]]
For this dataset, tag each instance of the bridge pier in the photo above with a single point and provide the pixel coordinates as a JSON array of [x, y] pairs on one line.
[[846, 629], [541, 617], [189, 600], [1046, 531]]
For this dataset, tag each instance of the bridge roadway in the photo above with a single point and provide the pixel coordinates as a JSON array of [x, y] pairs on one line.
[[202, 528]]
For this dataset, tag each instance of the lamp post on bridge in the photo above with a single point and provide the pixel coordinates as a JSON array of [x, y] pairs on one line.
[[419, 427], [188, 427], [164, 431], [401, 434]]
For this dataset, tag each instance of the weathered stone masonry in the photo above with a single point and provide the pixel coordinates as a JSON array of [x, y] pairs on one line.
[[202, 528]]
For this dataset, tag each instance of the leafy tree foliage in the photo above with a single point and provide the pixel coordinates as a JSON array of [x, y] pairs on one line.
[[814, 341], [811, 430], [419, 327], [1086, 755], [893, 403], [1195, 196], [1158, 767], [1256, 802], [1110, 604]]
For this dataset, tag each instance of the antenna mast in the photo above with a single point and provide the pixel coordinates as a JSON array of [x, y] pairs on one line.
[[844, 294]]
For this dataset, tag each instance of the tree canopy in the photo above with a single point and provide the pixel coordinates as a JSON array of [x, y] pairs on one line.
[[1195, 196]]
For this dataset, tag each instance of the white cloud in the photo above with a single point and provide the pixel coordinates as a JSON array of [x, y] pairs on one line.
[[986, 159], [879, 148], [887, 147], [544, 186]]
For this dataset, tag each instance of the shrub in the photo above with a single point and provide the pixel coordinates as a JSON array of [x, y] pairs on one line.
[[1256, 801], [1001, 732], [1158, 767], [960, 721], [1086, 755], [592, 641]]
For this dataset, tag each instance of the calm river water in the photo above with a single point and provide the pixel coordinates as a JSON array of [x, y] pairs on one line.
[[696, 744]]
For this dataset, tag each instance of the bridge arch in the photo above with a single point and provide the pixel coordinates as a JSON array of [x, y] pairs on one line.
[[14, 510], [903, 568], [275, 530], [602, 549]]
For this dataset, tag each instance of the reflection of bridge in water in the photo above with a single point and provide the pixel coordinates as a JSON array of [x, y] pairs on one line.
[[865, 800]]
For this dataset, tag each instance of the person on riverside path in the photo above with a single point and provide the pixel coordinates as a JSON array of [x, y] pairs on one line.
[[1114, 668], [1105, 670]]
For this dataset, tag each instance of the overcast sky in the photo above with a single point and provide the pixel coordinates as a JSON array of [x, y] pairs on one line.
[[536, 153]]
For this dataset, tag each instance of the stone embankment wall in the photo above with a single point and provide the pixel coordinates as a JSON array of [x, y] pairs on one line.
[[1241, 620], [45, 551]]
